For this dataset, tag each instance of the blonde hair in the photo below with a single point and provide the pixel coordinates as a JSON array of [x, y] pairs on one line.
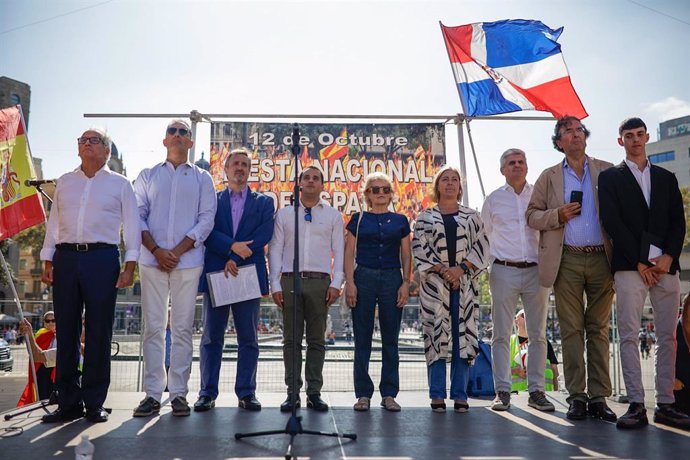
[[436, 194], [374, 177]]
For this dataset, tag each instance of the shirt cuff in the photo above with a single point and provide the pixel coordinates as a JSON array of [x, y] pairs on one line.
[[47, 254], [275, 285], [195, 237], [131, 255]]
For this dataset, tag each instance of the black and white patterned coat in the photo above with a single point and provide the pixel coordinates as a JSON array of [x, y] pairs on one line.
[[429, 248]]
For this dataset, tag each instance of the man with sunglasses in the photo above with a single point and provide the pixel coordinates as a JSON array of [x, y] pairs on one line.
[[176, 209], [82, 262], [514, 274], [321, 246]]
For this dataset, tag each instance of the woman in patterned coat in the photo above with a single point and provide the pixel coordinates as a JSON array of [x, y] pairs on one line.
[[450, 250]]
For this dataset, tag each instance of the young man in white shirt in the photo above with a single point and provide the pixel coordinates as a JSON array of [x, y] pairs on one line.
[[82, 262], [322, 246], [514, 274], [177, 205]]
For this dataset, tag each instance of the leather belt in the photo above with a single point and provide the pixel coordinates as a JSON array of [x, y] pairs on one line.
[[515, 264], [584, 249], [84, 247], [310, 275]]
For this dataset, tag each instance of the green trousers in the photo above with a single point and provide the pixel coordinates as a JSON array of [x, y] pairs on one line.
[[312, 314]]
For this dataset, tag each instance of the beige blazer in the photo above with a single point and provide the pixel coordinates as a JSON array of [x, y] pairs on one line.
[[542, 215]]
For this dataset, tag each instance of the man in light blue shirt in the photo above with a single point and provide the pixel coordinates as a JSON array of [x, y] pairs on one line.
[[573, 258], [176, 207]]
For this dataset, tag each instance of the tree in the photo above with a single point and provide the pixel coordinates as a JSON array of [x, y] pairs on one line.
[[685, 193]]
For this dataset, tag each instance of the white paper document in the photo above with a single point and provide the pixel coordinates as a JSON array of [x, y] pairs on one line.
[[233, 289]]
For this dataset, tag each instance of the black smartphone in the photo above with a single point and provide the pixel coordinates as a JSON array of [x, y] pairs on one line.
[[576, 197]]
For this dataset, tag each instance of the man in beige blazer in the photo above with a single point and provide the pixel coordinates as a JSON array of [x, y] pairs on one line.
[[574, 254]]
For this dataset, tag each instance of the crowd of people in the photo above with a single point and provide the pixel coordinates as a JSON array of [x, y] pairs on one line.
[[584, 228]]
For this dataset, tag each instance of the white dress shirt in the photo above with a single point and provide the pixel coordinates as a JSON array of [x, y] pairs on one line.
[[321, 244], [503, 214], [174, 203], [92, 210], [642, 177]]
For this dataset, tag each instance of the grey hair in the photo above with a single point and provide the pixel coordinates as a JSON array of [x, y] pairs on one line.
[[511, 152], [179, 121], [238, 151], [105, 137]]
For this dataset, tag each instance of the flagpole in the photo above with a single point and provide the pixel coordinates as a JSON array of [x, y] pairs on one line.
[[461, 120], [27, 341]]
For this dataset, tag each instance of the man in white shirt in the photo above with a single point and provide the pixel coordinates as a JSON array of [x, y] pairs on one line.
[[82, 262], [321, 246], [514, 275], [177, 205]]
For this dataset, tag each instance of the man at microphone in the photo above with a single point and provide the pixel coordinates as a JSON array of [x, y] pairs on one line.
[[82, 262]]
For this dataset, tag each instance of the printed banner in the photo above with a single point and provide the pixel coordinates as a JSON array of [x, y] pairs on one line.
[[409, 153], [20, 206]]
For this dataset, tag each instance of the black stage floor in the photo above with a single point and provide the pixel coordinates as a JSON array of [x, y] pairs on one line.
[[414, 433]]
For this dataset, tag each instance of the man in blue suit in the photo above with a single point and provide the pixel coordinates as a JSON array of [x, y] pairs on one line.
[[243, 226]]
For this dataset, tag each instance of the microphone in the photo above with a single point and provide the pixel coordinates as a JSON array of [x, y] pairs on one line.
[[37, 182]]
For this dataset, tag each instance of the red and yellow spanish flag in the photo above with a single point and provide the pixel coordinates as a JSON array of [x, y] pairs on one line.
[[20, 205], [44, 337], [334, 151]]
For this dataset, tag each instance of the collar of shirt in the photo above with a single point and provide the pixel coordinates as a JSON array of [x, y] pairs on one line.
[[633, 166], [105, 169], [320, 204], [241, 194], [167, 163], [566, 166], [509, 188]]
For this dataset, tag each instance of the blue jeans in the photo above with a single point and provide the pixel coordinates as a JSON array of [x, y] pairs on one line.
[[459, 369], [380, 287]]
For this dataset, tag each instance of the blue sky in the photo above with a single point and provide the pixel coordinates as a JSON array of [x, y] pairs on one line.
[[324, 57]]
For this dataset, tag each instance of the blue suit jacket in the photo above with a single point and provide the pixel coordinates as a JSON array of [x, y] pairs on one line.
[[256, 224]]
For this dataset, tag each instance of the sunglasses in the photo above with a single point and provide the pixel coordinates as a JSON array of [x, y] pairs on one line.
[[89, 140], [376, 190], [49, 320], [307, 214], [184, 132]]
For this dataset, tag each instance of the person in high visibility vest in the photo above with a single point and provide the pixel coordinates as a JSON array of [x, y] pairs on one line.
[[518, 366]]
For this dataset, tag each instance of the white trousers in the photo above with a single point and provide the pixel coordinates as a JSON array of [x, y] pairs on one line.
[[665, 297], [157, 289], [508, 285]]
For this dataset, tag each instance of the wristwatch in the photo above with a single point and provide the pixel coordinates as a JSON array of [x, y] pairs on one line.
[[464, 267]]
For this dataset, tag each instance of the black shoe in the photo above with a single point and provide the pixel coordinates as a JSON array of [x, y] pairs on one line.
[[315, 402], [147, 407], [635, 417], [62, 415], [96, 415], [287, 404], [249, 402], [601, 411], [577, 410], [204, 403], [667, 414]]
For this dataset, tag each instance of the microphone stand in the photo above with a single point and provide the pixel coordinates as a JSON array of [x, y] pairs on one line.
[[294, 424]]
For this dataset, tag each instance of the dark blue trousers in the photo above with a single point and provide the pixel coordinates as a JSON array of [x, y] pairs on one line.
[[246, 318], [377, 287], [84, 282]]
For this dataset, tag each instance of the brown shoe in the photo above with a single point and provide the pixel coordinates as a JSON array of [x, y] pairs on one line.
[[390, 405]]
